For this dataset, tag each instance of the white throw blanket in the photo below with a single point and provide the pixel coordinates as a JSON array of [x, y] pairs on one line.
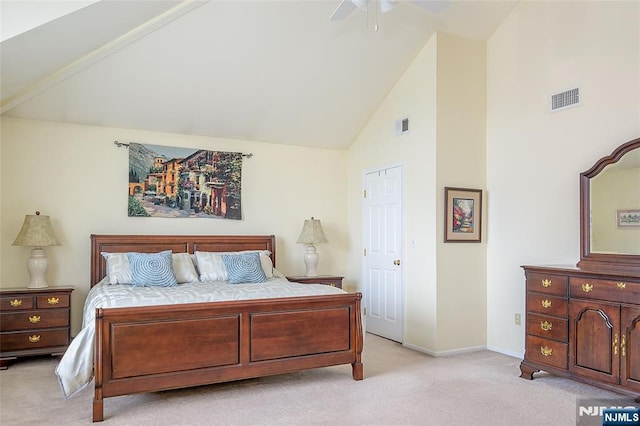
[[75, 370]]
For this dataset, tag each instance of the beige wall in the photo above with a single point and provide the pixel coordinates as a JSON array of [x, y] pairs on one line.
[[443, 88], [534, 157], [76, 175]]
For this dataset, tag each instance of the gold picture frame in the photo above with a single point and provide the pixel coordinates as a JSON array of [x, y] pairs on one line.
[[462, 215]]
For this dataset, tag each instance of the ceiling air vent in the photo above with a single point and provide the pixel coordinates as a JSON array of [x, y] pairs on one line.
[[567, 99]]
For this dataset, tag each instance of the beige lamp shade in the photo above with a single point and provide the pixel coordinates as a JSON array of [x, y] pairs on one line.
[[312, 232], [36, 232]]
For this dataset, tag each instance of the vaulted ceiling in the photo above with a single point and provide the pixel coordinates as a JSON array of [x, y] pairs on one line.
[[260, 70]]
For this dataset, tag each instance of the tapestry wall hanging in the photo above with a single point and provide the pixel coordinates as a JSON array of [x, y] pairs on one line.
[[182, 182]]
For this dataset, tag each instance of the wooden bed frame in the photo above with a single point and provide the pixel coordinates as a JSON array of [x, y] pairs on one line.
[[154, 348]]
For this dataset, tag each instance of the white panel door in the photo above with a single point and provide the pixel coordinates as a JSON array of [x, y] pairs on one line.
[[383, 286]]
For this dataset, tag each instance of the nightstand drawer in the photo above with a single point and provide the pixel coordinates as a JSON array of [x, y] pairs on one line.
[[329, 280], [34, 340], [52, 301], [28, 320], [16, 303]]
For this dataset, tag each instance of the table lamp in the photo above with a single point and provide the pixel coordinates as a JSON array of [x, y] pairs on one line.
[[36, 232], [311, 234]]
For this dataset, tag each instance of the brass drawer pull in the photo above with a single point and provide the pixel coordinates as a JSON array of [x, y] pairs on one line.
[[621, 285], [16, 302], [34, 319], [546, 325], [546, 351], [546, 303], [546, 282], [586, 287], [35, 338], [53, 300]]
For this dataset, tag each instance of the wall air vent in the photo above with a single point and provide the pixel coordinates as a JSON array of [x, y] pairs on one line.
[[567, 99], [402, 126]]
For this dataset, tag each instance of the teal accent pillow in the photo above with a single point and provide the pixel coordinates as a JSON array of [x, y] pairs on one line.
[[152, 269], [244, 268]]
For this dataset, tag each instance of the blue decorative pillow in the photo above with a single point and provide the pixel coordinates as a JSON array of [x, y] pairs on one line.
[[152, 269], [244, 268]]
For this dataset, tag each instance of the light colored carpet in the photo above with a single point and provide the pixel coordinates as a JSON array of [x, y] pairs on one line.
[[401, 387]]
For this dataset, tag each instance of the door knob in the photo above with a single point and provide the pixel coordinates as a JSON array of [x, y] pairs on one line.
[[396, 262]]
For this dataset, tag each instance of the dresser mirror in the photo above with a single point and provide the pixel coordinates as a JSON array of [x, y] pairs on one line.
[[609, 210]]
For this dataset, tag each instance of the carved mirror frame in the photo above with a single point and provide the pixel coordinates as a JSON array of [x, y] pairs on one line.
[[628, 263]]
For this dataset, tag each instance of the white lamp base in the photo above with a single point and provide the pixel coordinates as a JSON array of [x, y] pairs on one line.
[[37, 266], [311, 261]]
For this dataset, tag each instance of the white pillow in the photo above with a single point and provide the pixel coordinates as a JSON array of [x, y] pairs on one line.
[[119, 270], [184, 268], [211, 267]]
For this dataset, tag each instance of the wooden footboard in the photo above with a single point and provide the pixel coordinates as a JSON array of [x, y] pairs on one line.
[[147, 349]]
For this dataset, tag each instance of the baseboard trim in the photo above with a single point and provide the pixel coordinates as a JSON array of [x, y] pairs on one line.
[[519, 355], [444, 353]]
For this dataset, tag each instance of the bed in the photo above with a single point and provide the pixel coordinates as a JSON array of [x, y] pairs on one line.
[[152, 348]]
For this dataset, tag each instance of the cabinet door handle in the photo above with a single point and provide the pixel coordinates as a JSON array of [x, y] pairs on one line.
[[623, 345], [34, 319], [615, 344]]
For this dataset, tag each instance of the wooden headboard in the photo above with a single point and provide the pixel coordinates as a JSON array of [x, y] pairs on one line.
[[176, 243]]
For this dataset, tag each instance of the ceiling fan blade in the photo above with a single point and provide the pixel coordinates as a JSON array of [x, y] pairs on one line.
[[435, 6], [343, 10]]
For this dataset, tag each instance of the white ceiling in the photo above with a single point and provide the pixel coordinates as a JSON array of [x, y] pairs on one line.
[[261, 70]]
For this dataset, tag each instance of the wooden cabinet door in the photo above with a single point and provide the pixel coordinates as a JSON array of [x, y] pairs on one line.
[[595, 340], [630, 348]]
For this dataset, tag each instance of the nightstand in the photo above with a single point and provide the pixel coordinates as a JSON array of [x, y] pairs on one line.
[[34, 322], [331, 280]]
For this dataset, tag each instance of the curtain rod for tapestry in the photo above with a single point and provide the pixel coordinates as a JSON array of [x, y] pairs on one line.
[[126, 145]]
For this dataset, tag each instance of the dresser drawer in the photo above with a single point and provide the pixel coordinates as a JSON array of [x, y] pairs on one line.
[[16, 303], [614, 291], [547, 283], [546, 351], [34, 340], [547, 327], [27, 320], [547, 305]]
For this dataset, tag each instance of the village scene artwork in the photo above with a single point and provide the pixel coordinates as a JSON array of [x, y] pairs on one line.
[[182, 182]]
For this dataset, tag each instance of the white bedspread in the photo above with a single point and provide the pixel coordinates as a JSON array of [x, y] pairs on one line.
[[75, 370]]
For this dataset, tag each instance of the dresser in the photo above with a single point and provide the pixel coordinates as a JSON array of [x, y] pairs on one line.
[[584, 325], [34, 322], [331, 280]]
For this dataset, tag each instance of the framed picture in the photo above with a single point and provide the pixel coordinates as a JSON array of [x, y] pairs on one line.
[[462, 215], [628, 218]]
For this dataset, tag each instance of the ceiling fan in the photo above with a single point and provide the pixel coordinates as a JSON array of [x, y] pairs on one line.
[[345, 7]]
